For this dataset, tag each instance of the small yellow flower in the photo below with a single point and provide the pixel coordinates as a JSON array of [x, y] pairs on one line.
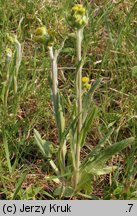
[[85, 79], [87, 86], [78, 8]]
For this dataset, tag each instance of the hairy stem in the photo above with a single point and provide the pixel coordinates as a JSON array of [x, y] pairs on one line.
[[18, 62], [54, 77], [79, 36], [57, 109]]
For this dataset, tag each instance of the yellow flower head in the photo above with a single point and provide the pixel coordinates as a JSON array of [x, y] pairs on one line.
[[78, 17], [78, 8], [85, 79]]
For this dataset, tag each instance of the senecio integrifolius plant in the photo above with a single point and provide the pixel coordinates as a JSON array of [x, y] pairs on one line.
[[73, 174]]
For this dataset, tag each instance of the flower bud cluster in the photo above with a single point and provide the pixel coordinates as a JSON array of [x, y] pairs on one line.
[[42, 35], [85, 82], [78, 17]]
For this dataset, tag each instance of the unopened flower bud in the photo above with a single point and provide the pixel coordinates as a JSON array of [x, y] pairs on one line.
[[87, 86], [42, 35]]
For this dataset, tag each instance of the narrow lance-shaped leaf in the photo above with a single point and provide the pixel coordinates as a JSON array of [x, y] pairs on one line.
[[19, 184], [39, 141], [104, 170], [107, 153], [45, 150], [87, 125], [98, 148], [87, 99], [5, 142], [114, 148]]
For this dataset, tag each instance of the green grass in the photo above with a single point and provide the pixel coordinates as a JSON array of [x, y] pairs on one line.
[[110, 41]]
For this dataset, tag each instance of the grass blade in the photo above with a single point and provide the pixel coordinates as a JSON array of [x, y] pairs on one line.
[[19, 184]]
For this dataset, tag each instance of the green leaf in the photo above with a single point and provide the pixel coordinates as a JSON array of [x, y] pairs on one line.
[[85, 182], [87, 125], [87, 100], [113, 149], [102, 171], [87, 196], [2, 95], [99, 147], [48, 148], [45, 147], [72, 126], [134, 71], [39, 142], [57, 179], [53, 178], [105, 139], [48, 195], [105, 154], [30, 192], [63, 192], [60, 119], [60, 115], [19, 184], [72, 130], [7, 153], [45, 150], [86, 177]]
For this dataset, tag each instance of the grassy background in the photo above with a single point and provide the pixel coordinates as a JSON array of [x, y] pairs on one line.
[[111, 38]]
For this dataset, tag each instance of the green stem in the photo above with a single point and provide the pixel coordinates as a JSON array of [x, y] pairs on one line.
[[79, 36], [6, 93], [18, 62], [79, 78], [7, 88], [54, 77], [15, 84], [7, 151]]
